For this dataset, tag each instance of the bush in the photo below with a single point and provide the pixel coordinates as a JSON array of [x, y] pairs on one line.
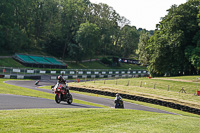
[[106, 61]]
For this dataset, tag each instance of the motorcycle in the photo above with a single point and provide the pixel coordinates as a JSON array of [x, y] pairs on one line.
[[119, 103], [37, 82], [61, 94]]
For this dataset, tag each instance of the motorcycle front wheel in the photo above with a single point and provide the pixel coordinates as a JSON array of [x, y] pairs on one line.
[[57, 98]]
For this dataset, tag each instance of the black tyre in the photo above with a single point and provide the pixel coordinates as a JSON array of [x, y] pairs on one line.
[[121, 104], [70, 100], [57, 98]]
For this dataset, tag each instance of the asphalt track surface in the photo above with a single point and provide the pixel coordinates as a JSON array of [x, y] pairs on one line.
[[24, 102]]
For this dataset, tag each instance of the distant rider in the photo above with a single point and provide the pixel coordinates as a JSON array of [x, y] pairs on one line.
[[37, 82], [118, 97], [118, 101], [61, 80]]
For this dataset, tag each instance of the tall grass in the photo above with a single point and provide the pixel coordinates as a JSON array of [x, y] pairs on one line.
[[169, 85]]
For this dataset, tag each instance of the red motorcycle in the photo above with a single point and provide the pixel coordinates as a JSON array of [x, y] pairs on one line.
[[61, 93]]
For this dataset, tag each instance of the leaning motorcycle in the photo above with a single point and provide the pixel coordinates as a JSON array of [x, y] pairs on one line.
[[61, 93], [119, 103], [37, 82]]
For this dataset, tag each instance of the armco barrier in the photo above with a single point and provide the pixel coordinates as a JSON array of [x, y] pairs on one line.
[[99, 76], [142, 99], [21, 77], [9, 70]]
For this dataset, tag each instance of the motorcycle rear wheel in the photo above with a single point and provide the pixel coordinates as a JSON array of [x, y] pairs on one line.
[[69, 101]]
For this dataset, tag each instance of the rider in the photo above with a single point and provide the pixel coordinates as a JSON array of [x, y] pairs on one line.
[[118, 99], [61, 80], [37, 82]]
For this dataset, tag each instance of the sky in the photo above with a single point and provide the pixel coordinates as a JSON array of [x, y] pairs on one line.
[[142, 13]]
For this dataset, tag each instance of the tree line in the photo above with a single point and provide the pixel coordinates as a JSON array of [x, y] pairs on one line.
[[65, 28], [174, 49]]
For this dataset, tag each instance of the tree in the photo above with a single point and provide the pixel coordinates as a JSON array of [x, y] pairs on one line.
[[108, 21], [76, 52], [60, 28], [142, 50], [73, 14], [168, 48], [88, 37], [129, 40]]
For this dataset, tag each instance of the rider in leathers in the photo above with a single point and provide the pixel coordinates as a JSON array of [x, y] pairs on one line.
[[61, 80]]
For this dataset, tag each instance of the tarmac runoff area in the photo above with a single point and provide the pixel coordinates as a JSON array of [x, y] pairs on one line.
[[25, 102]]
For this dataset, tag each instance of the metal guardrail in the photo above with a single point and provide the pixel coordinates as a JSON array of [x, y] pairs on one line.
[[8, 70]]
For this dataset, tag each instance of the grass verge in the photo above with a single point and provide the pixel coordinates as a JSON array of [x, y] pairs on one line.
[[142, 87], [10, 62], [95, 120]]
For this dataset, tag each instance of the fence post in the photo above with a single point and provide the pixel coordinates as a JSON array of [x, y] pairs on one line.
[[141, 84], [127, 83], [154, 85], [168, 87]]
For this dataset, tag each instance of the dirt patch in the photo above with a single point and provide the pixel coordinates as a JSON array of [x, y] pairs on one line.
[[181, 80]]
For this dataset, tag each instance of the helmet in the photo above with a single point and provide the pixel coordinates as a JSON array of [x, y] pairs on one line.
[[117, 95], [59, 77]]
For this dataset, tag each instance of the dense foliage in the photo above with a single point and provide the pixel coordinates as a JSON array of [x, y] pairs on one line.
[[65, 28], [175, 46]]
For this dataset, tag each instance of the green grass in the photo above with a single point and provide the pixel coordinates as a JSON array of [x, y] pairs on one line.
[[98, 65], [91, 120], [16, 90], [95, 120], [10, 62], [147, 89]]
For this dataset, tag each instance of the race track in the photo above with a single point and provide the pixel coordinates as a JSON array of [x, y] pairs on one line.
[[24, 102], [45, 103]]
